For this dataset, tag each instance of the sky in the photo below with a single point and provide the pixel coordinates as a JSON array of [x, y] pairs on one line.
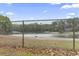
[[37, 11]]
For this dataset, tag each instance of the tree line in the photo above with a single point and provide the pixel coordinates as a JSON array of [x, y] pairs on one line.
[[60, 25]]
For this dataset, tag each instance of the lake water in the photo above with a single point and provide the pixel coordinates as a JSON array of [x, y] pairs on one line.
[[35, 35], [47, 36]]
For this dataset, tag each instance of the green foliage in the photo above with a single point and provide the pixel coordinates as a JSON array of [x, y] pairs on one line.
[[54, 26], [61, 26], [5, 25]]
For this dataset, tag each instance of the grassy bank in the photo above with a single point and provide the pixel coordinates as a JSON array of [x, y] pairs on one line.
[[31, 42]]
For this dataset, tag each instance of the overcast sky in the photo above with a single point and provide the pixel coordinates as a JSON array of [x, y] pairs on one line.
[[35, 11]]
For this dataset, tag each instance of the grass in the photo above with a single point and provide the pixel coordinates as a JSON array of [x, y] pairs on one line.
[[10, 45]]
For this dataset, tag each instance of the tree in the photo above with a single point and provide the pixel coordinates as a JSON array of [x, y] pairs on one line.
[[61, 27], [54, 25], [5, 25]]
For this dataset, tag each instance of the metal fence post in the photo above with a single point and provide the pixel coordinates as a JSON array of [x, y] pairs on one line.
[[23, 34], [73, 35]]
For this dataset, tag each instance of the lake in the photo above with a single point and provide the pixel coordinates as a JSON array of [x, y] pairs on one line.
[[34, 35], [48, 36]]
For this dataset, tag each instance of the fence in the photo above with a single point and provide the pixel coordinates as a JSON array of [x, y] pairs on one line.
[[48, 33]]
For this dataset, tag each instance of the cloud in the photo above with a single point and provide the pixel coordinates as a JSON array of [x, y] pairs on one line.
[[31, 18], [6, 13], [67, 6], [9, 13], [68, 17], [9, 3], [54, 3], [71, 14], [45, 11], [1, 12]]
